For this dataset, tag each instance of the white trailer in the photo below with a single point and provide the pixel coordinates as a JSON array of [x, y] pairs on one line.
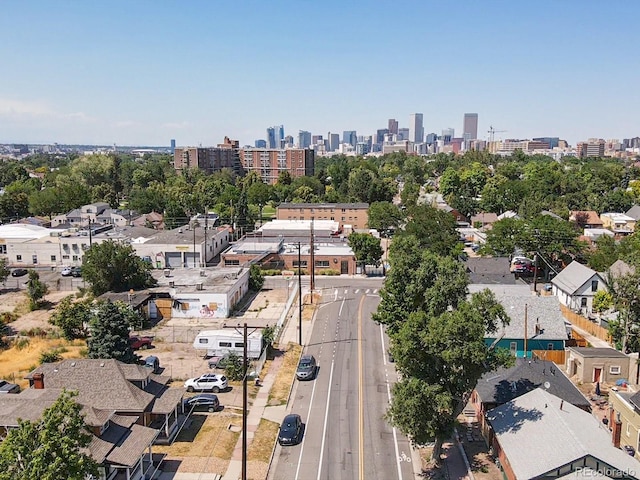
[[213, 343]]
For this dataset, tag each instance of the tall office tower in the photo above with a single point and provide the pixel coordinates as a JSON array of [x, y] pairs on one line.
[[271, 137], [403, 134], [393, 126], [380, 135], [260, 144], [447, 135], [416, 128], [431, 138], [173, 146], [304, 139], [280, 132], [288, 141], [349, 137], [316, 139], [470, 126], [334, 141]]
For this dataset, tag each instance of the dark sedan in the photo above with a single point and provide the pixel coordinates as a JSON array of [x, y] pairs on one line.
[[19, 272], [290, 430], [206, 401]]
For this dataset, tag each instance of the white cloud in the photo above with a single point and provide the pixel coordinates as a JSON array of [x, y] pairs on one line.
[[20, 107]]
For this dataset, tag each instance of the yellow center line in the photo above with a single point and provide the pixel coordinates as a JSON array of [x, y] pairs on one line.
[[360, 394]]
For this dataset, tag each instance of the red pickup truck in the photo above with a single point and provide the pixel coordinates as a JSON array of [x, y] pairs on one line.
[[140, 343]]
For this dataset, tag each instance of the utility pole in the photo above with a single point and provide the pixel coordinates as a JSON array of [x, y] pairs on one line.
[[299, 298], [525, 331], [206, 218], [193, 225], [535, 273], [312, 278]]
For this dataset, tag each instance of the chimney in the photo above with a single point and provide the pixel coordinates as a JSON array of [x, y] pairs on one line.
[[616, 426], [38, 381]]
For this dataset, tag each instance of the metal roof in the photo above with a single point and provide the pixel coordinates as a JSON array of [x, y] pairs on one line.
[[574, 276]]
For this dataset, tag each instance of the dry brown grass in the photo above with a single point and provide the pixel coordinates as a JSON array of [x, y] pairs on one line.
[[15, 363], [206, 436], [263, 441], [279, 393], [22, 306]]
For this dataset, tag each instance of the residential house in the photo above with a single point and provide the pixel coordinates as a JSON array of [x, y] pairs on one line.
[[624, 420], [153, 220], [143, 302], [80, 217], [539, 435], [354, 214], [585, 218], [484, 220], [506, 383], [591, 365], [634, 212], [576, 285], [592, 234], [117, 217], [618, 223], [536, 325]]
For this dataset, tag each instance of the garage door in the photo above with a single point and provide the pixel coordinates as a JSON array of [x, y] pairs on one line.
[[173, 259], [192, 259]]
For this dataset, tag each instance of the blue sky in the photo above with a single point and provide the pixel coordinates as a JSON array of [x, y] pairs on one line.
[[143, 72]]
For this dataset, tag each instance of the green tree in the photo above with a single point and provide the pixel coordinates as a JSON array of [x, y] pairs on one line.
[[259, 193], [366, 248], [602, 301], [72, 317], [52, 448], [109, 338], [256, 278], [435, 229], [5, 271], [604, 255], [625, 291], [384, 215], [111, 266], [36, 290]]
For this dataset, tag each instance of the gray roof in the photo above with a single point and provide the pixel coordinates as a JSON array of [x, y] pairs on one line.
[[123, 442], [182, 236], [505, 384], [574, 276], [483, 270], [591, 352], [539, 432], [544, 318], [634, 212], [620, 268]]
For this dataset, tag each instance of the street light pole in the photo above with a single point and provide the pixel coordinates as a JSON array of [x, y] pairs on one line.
[[245, 368]]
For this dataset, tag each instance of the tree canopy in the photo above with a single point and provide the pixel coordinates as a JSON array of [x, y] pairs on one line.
[[109, 338], [51, 448], [366, 248]]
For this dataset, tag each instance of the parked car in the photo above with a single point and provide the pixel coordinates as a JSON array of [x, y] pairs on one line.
[[65, 272], [219, 361], [209, 382], [306, 368], [19, 272], [76, 272], [204, 401], [153, 363], [290, 430], [140, 343], [6, 387]]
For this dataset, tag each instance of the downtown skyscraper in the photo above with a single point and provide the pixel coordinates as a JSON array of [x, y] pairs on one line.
[[470, 126], [416, 128]]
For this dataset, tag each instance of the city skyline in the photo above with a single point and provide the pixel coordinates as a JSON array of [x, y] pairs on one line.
[[128, 73]]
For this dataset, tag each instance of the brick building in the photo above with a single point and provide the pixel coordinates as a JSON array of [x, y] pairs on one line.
[[270, 163], [354, 214]]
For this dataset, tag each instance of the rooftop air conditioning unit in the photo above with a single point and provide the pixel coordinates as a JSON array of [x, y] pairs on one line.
[[203, 273], [172, 284], [199, 286]]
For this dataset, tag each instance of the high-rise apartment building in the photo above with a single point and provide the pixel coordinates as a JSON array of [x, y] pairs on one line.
[[208, 159], [270, 163], [470, 126], [416, 128], [350, 137], [304, 139], [393, 126]]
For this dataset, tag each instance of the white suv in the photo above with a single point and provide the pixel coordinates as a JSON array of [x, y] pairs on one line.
[[209, 382]]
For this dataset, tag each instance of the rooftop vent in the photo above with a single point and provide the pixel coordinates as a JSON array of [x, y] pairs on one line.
[[199, 286]]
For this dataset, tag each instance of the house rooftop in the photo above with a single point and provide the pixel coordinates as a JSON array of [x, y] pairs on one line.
[[505, 384], [213, 279], [539, 433], [574, 276], [593, 352], [489, 270]]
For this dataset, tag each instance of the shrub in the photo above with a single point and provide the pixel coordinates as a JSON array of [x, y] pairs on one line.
[[51, 356], [328, 271], [35, 332], [8, 317], [21, 343]]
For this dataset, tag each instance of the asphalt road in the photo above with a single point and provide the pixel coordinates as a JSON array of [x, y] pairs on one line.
[[346, 435]]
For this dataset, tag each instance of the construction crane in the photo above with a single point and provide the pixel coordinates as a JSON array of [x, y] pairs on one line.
[[492, 131]]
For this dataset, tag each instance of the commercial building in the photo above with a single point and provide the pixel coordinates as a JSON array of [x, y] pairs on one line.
[[470, 126], [304, 139], [334, 141], [354, 214], [591, 148], [350, 137], [416, 128], [393, 126]]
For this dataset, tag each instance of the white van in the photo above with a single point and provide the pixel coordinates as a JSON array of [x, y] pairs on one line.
[[217, 343]]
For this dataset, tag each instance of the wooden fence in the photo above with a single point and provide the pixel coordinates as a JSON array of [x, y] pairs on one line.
[[585, 324], [555, 356]]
